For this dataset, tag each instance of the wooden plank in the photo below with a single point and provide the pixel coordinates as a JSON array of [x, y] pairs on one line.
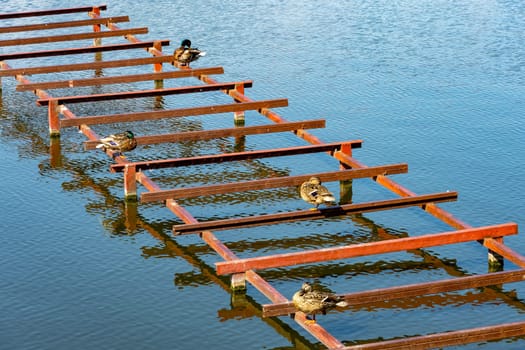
[[322, 213], [86, 66], [365, 249], [235, 156], [440, 340], [68, 24], [411, 290], [144, 93], [51, 12], [82, 50], [262, 184], [182, 112], [218, 133], [195, 72], [75, 36]]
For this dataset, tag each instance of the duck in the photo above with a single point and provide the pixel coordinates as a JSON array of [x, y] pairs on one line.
[[314, 192], [121, 142], [185, 54], [312, 301]]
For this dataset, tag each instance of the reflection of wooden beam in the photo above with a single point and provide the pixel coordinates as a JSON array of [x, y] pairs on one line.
[[173, 113], [144, 93], [68, 24], [345, 209], [51, 12], [355, 250], [76, 36], [119, 79], [439, 340], [82, 50], [236, 156], [275, 182], [413, 290]]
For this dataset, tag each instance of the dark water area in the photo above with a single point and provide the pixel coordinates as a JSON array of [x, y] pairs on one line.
[[439, 85]]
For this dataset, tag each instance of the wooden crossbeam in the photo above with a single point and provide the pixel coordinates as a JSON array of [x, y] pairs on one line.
[[441, 340], [51, 12], [68, 24], [182, 112], [411, 290], [185, 73], [86, 66], [75, 36], [346, 209], [218, 133], [365, 249], [284, 181], [82, 50], [235, 156], [144, 93]]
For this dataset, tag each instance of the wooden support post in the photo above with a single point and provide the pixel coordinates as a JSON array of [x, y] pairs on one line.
[[96, 27], [157, 67], [53, 119], [345, 186], [130, 183], [55, 155], [495, 260], [238, 117], [131, 212], [238, 283]]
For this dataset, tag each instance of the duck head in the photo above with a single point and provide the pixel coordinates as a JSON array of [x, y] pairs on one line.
[[129, 134], [185, 43]]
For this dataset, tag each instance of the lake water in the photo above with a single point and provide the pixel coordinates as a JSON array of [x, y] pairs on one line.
[[439, 85]]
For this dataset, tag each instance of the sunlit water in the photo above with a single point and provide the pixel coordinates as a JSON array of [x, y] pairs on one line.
[[438, 85]]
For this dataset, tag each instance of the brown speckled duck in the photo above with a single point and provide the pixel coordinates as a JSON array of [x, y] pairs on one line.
[[121, 142], [311, 301], [312, 191], [185, 54]]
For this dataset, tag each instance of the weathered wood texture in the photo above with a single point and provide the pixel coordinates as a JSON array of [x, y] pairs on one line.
[[51, 12], [74, 36], [236, 156], [119, 79], [351, 251], [411, 291], [82, 50], [144, 93], [173, 113], [346, 209], [275, 182]]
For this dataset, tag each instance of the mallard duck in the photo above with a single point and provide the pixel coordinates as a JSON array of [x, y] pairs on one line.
[[121, 142], [311, 301], [186, 54], [312, 191]]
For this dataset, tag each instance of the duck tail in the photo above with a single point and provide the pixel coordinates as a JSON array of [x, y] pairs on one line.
[[202, 53], [100, 145], [341, 303]]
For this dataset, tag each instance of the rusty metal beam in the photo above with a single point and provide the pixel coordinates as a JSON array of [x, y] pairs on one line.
[[68, 24], [182, 112], [120, 79], [346, 209], [365, 249], [411, 290], [440, 340], [51, 12], [75, 36], [262, 184], [82, 50], [144, 93], [86, 66], [236, 156]]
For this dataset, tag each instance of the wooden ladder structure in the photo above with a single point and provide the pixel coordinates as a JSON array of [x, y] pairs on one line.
[[242, 270]]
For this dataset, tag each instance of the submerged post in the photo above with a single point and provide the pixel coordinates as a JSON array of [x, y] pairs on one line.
[[53, 119], [495, 260], [238, 117], [238, 283], [345, 186]]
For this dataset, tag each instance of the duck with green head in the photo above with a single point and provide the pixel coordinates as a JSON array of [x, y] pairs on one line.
[[185, 54], [121, 142], [312, 301]]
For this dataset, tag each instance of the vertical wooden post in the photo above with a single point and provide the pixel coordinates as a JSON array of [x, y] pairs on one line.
[[131, 212], [130, 183], [157, 67], [345, 186], [238, 117], [238, 283], [495, 260], [55, 154], [96, 27], [53, 119]]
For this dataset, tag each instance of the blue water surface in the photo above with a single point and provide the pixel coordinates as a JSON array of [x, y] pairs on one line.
[[438, 85]]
